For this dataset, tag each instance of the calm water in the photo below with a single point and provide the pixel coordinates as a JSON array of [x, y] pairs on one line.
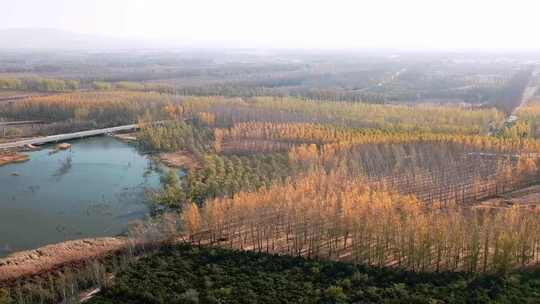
[[94, 189]]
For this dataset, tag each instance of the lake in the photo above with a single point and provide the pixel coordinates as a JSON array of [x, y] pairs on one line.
[[93, 189]]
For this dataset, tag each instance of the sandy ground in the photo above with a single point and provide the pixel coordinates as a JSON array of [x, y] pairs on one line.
[[32, 262], [63, 146], [128, 137], [12, 158], [178, 159], [528, 197]]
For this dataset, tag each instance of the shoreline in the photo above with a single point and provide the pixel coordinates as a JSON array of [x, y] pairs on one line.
[[26, 264], [29, 263], [129, 137]]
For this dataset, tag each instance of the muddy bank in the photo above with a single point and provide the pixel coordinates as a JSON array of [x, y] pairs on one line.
[[12, 158], [60, 147], [33, 262]]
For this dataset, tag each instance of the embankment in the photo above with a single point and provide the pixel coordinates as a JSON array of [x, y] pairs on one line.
[[33, 262]]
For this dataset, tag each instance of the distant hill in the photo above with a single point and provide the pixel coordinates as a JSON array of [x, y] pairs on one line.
[[52, 39]]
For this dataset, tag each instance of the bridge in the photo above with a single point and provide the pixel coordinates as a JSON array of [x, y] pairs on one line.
[[64, 137]]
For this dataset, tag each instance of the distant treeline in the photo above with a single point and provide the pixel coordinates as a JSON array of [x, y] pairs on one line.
[[287, 87], [115, 107], [38, 84]]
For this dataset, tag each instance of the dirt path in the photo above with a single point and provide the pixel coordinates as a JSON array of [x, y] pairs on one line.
[[528, 93], [528, 197], [383, 82]]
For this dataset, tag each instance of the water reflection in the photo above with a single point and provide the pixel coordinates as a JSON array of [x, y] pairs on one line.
[[33, 188], [65, 167]]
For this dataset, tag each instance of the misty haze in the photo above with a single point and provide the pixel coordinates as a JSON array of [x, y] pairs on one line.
[[156, 152]]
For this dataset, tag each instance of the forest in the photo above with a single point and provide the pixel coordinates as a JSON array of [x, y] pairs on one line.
[[38, 84], [185, 274], [312, 187], [269, 151], [314, 195]]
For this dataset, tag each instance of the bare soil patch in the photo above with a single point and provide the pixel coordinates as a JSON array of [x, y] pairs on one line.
[[528, 197], [179, 159], [127, 137]]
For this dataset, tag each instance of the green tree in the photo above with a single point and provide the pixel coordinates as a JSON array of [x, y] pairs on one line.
[[170, 195]]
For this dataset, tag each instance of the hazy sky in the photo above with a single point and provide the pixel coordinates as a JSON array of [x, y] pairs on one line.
[[292, 23]]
